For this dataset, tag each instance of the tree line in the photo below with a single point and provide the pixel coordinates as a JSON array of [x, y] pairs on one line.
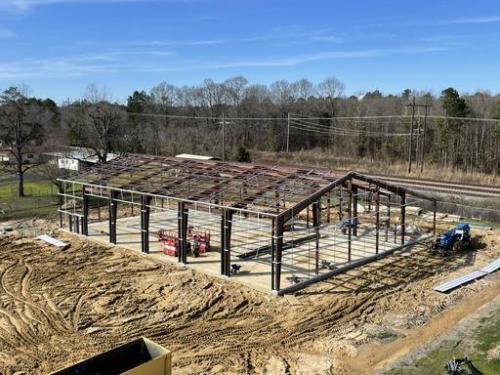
[[230, 118]]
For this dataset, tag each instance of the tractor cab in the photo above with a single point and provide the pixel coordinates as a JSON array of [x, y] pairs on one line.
[[455, 239]]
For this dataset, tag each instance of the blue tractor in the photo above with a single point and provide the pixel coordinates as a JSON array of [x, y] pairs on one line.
[[345, 224], [454, 240]]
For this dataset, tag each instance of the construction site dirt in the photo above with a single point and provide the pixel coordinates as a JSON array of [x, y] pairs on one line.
[[58, 307]]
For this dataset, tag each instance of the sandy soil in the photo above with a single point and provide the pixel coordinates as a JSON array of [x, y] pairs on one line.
[[58, 307]]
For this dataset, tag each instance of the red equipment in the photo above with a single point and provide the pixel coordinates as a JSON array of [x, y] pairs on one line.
[[199, 242], [168, 242]]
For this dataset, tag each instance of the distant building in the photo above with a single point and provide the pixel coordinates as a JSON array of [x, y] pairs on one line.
[[195, 157], [74, 158]]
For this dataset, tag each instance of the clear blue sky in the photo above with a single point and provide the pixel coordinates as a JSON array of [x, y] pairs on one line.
[[58, 47]]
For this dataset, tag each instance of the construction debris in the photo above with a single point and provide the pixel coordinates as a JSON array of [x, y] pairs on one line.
[[449, 285], [53, 241]]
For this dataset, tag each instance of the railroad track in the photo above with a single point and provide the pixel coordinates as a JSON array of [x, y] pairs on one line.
[[446, 188]]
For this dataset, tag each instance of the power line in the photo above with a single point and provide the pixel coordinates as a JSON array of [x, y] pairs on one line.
[[336, 118], [344, 133], [337, 130]]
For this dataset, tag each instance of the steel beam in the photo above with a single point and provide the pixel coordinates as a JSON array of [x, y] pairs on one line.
[[347, 267], [298, 207], [389, 187]]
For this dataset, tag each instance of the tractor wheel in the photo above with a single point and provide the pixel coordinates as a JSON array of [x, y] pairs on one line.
[[467, 245], [457, 246]]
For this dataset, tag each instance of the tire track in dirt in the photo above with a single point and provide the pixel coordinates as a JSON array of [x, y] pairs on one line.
[[90, 298]]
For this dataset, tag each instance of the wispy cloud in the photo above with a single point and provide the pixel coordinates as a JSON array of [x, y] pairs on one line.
[[71, 66], [277, 36], [471, 20], [288, 61], [6, 33], [26, 4], [320, 56], [180, 43], [118, 63]]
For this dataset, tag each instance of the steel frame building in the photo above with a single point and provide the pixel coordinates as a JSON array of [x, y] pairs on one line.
[[280, 196]]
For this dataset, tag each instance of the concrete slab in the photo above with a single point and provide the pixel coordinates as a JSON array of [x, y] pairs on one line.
[[249, 234]]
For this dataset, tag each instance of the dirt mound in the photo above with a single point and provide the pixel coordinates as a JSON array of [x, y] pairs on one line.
[[58, 307]]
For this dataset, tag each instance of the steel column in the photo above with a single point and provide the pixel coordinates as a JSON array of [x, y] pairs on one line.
[[354, 195], [328, 211], [349, 226], [434, 204], [85, 219], [61, 203], [377, 222], [273, 249], [113, 203], [279, 251], [182, 218], [316, 223], [226, 245], [145, 213], [403, 217]]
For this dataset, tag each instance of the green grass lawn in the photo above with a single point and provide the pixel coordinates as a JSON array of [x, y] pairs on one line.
[[475, 345], [40, 201]]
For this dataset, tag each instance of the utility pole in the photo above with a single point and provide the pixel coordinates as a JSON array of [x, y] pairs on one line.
[[417, 147], [427, 106], [410, 148], [288, 134], [223, 138], [420, 145]]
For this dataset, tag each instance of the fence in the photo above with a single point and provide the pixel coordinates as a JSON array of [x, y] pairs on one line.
[[36, 203]]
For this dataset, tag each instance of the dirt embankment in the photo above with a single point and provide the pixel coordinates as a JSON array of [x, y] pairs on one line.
[[58, 307]]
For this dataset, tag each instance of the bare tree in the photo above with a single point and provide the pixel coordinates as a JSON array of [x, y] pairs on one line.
[[22, 128], [235, 88], [96, 123], [330, 89]]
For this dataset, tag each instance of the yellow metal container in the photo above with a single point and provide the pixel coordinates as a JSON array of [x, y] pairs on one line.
[[139, 357]]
